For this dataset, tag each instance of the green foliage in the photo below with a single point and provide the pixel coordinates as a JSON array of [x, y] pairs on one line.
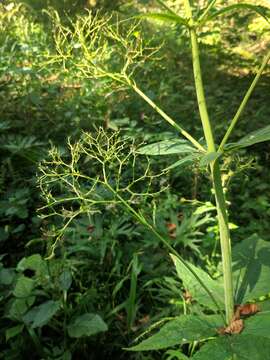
[[40, 315], [109, 270], [198, 293], [166, 17], [86, 325], [251, 139], [184, 329], [235, 347]]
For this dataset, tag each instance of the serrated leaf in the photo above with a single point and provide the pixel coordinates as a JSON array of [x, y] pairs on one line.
[[253, 138], [24, 287], [167, 147], [260, 10], [209, 157], [251, 269], [184, 329], [14, 331], [40, 315], [235, 347], [197, 292], [165, 17], [86, 325]]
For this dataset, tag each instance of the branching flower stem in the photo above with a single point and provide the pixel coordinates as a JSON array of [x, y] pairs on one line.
[[215, 171]]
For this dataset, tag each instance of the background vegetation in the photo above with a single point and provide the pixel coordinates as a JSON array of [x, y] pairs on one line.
[[107, 270]]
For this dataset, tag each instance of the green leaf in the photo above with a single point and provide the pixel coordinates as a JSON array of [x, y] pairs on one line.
[[65, 280], [175, 355], [209, 157], [24, 287], [182, 162], [167, 147], [33, 262], [14, 331], [40, 315], [6, 276], [253, 138], [260, 10], [258, 325], [235, 347], [86, 325], [19, 307], [251, 269], [181, 330], [166, 17], [198, 293]]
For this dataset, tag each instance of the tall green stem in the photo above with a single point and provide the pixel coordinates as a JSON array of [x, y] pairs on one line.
[[215, 171]]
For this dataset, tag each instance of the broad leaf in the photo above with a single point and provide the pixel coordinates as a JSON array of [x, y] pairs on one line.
[[260, 10], [166, 17], [33, 262], [168, 147], [24, 287], [40, 315], [181, 330], [86, 325], [258, 325], [251, 269], [196, 290], [235, 347], [251, 139], [19, 307]]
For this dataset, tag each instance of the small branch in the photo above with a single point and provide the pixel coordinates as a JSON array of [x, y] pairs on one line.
[[167, 117], [160, 2], [203, 18], [244, 103]]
